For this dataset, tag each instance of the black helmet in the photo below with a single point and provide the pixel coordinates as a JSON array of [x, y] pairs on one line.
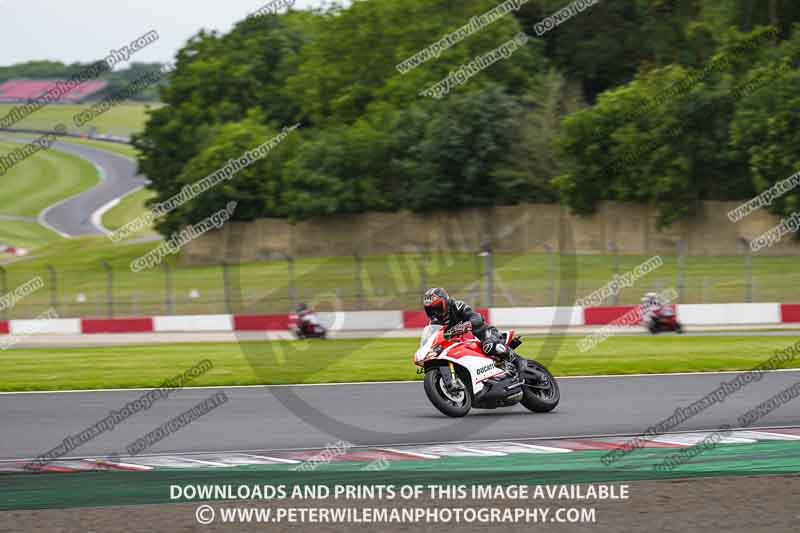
[[301, 308], [437, 305]]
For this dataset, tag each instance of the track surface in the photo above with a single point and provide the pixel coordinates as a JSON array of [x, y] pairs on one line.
[[257, 418], [134, 339], [73, 217]]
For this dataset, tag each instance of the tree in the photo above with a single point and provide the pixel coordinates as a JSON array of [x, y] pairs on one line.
[[765, 130], [662, 139]]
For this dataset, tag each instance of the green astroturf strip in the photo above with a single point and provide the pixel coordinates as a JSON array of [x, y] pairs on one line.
[[33, 491]]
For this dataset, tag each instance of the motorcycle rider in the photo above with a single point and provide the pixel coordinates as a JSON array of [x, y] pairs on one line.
[[651, 308], [446, 311], [305, 317]]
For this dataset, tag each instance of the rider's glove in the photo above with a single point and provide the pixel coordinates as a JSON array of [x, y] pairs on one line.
[[458, 329]]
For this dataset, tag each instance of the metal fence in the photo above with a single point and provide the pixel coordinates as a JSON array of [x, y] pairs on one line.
[[389, 282]]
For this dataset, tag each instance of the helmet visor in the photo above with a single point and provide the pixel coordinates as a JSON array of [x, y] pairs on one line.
[[436, 310]]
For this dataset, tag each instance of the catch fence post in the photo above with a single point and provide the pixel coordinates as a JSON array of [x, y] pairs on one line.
[[359, 281], [615, 251], [53, 287], [169, 300], [109, 288], [748, 271], [423, 270], [3, 289], [489, 272], [680, 246], [226, 286], [551, 266], [292, 284]]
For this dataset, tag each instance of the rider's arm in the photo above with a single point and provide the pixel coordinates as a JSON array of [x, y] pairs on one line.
[[467, 314]]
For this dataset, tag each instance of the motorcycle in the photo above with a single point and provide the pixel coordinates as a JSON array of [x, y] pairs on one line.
[[663, 320], [307, 326], [459, 376]]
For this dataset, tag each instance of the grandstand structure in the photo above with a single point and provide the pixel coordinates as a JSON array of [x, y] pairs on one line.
[[28, 90]]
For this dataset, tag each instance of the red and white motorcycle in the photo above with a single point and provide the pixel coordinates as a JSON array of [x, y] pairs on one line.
[[459, 376]]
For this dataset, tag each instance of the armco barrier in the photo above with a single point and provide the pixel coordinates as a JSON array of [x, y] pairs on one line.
[[65, 326], [729, 314], [260, 322], [514, 317], [418, 319], [116, 325], [599, 316], [790, 312], [193, 323], [362, 320]]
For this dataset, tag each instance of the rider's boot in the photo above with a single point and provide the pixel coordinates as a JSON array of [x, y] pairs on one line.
[[519, 362], [509, 356]]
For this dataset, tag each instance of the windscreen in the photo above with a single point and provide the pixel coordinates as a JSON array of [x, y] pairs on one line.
[[427, 333]]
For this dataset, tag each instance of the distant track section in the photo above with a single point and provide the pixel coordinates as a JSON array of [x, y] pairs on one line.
[[73, 216]]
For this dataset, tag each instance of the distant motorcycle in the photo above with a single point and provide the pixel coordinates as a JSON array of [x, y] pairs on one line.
[[459, 376], [307, 326], [664, 320]]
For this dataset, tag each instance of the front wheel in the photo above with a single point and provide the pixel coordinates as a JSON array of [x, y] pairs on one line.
[[540, 395], [452, 403]]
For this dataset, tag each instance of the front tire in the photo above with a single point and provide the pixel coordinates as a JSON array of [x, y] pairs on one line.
[[539, 399], [448, 403]]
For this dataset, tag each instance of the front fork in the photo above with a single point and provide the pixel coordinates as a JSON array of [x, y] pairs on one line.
[[449, 377]]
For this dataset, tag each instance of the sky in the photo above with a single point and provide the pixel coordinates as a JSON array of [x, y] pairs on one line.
[[87, 30]]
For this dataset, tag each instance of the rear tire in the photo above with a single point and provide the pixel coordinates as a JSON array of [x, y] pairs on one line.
[[451, 405], [541, 400]]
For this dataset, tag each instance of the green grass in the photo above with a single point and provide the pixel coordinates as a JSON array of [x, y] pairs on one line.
[[130, 207], [24, 234], [120, 120], [43, 179], [34, 184], [345, 360]]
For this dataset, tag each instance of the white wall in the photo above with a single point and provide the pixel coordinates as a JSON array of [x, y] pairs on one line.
[[724, 314], [193, 323], [536, 316]]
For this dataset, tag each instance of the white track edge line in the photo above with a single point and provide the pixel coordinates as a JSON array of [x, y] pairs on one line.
[[214, 387]]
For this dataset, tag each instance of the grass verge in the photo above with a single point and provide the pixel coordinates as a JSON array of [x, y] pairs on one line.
[[347, 360], [119, 120], [34, 184], [130, 207]]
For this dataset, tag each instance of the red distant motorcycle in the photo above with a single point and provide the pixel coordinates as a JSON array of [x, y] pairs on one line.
[[306, 325], [664, 320]]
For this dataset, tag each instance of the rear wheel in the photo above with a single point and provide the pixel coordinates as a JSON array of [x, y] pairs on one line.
[[542, 396], [454, 403]]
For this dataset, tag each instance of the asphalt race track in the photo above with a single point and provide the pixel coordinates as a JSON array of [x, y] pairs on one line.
[[73, 216], [290, 417]]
